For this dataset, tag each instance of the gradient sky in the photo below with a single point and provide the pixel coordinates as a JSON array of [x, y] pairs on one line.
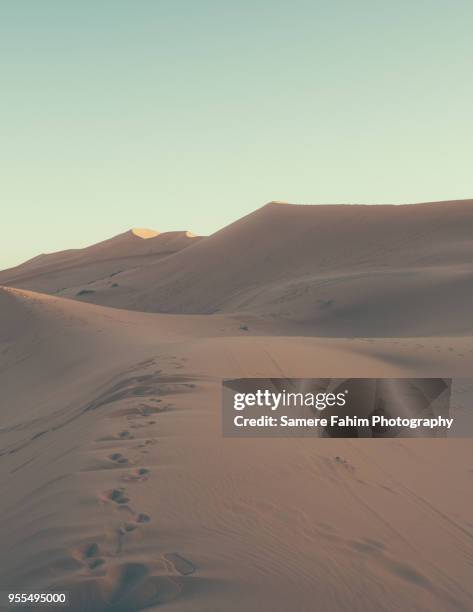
[[187, 114]]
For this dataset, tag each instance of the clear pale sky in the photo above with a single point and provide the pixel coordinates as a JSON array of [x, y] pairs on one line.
[[188, 114]]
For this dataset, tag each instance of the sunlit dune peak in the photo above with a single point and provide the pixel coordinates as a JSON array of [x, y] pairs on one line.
[[190, 234], [144, 233], [277, 202]]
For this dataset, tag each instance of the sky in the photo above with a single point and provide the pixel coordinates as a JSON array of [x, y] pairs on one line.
[[188, 114]]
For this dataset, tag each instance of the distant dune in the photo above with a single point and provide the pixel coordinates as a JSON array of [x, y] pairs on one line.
[[57, 272], [338, 270]]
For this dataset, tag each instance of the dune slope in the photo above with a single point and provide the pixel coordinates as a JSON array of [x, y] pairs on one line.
[[337, 270], [343, 270], [97, 266], [119, 486]]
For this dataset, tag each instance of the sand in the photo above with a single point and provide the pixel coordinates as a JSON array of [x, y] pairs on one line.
[[97, 267], [337, 270], [117, 484], [121, 489]]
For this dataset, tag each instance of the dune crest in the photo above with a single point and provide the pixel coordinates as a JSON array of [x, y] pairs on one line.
[[144, 233], [84, 272], [336, 270]]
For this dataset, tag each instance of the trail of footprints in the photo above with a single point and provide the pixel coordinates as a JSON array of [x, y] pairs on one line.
[[126, 519]]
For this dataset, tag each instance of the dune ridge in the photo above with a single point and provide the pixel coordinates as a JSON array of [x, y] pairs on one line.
[[336, 270], [67, 272], [144, 233]]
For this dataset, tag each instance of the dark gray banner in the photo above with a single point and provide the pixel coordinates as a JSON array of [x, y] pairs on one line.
[[348, 407]]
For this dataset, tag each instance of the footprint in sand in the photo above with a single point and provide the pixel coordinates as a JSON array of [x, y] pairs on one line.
[[146, 444], [118, 458], [128, 527], [96, 563], [118, 496], [90, 555], [176, 562], [142, 517], [125, 435], [91, 550], [138, 475], [127, 587]]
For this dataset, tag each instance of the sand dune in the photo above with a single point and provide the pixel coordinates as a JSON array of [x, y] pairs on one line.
[[97, 266], [337, 270], [119, 486], [342, 270]]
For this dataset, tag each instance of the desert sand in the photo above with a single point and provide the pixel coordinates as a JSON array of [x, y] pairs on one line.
[[96, 265], [117, 483], [337, 270]]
